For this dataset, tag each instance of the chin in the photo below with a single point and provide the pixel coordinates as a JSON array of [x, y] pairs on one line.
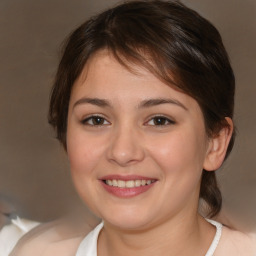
[[127, 220]]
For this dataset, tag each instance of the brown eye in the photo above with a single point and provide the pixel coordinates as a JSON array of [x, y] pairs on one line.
[[95, 121], [160, 121]]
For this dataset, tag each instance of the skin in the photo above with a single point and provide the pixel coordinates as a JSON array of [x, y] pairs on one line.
[[128, 141]]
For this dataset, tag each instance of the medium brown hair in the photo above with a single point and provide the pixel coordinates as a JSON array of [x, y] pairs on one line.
[[174, 43]]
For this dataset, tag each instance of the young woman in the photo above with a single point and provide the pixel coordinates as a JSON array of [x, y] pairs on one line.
[[143, 104]]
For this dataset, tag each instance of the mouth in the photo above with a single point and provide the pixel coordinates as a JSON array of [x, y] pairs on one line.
[[128, 186], [129, 183]]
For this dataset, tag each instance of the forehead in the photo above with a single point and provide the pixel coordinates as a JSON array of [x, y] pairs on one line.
[[104, 77], [103, 68], [143, 62]]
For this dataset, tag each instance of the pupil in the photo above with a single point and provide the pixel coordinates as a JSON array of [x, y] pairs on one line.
[[159, 121], [98, 120]]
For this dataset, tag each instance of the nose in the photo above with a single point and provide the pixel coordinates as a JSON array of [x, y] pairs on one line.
[[126, 147]]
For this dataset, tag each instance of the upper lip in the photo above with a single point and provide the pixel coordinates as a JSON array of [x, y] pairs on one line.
[[126, 177]]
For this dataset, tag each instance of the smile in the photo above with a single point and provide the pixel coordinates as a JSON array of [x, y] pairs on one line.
[[129, 183], [127, 186]]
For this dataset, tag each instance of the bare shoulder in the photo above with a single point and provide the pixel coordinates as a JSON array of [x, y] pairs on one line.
[[236, 243], [51, 239]]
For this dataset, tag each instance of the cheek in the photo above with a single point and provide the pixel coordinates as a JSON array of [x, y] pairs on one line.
[[180, 159], [85, 154], [180, 154], [83, 151]]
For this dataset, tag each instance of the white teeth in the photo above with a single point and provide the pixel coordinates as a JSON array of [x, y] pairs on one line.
[[121, 184], [114, 182], [137, 183], [109, 182], [129, 183]]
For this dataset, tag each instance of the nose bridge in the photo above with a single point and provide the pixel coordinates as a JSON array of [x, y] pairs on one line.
[[125, 147]]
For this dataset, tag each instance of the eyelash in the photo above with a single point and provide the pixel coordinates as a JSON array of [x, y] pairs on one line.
[[167, 121], [90, 121]]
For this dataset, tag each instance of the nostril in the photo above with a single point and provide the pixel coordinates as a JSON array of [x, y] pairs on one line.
[[125, 152]]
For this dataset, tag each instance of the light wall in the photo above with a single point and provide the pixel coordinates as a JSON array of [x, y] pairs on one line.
[[33, 167]]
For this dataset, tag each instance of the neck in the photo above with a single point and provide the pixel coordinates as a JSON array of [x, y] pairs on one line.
[[181, 236]]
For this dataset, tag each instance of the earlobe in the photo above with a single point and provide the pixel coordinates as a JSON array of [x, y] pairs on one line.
[[217, 147]]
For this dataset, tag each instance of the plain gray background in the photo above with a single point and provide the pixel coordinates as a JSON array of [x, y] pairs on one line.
[[34, 172]]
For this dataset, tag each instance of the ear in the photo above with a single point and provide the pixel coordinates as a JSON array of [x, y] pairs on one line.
[[217, 147]]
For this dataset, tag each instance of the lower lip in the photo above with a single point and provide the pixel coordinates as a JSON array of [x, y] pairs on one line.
[[127, 192]]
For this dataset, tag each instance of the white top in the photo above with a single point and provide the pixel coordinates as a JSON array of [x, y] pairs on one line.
[[10, 234], [88, 247]]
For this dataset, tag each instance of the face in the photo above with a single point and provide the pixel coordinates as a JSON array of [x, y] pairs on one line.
[[136, 146]]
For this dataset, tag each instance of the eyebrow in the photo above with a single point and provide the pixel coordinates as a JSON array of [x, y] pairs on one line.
[[93, 101], [144, 104], [159, 101]]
